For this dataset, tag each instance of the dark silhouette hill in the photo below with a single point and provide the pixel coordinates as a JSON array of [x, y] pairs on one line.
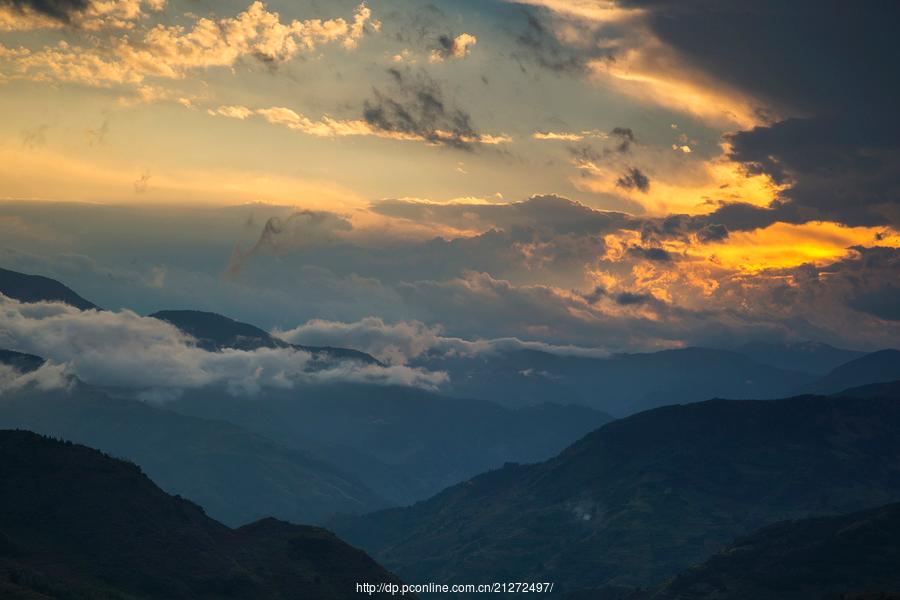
[[75, 523], [644, 497], [34, 288], [237, 476], [215, 332], [826, 558], [877, 367]]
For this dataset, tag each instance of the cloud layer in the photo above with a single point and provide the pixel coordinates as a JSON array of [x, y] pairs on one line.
[[125, 350]]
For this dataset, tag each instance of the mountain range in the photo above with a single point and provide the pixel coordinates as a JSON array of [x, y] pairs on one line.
[[644, 497], [675, 500]]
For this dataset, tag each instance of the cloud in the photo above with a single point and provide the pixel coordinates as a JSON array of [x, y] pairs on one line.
[[58, 9], [550, 213], [634, 179], [48, 376], [568, 136], [328, 127], [452, 47], [405, 341], [539, 44], [654, 254], [170, 52], [415, 106], [839, 168], [300, 230], [123, 349]]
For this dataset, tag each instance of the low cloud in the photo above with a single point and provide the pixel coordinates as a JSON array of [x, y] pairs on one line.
[[125, 350], [404, 341], [49, 376]]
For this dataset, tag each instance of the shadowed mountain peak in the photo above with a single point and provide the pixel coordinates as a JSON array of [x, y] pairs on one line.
[[35, 288], [24, 363]]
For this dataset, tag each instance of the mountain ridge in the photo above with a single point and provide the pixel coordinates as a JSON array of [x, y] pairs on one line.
[[91, 526], [643, 497]]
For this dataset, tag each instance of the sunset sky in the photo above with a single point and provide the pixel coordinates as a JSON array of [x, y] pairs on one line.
[[624, 176]]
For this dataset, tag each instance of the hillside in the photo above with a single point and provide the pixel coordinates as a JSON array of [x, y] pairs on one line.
[[34, 288], [235, 475], [823, 558], [877, 367], [75, 523], [644, 497]]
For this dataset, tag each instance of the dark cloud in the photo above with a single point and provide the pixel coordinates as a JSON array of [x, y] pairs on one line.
[[822, 56], [634, 179], [416, 105], [832, 62], [538, 45], [841, 168], [654, 254], [300, 230], [555, 214], [58, 9], [883, 303], [712, 232], [625, 136], [630, 299]]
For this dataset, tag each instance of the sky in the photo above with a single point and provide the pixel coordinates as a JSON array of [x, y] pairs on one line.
[[618, 176]]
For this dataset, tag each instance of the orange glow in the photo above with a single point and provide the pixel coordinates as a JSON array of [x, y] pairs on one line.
[[697, 189], [782, 245]]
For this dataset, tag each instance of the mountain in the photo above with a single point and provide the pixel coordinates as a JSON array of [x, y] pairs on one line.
[[644, 497], [34, 288], [405, 443], [808, 357], [237, 476], [215, 332], [620, 385], [877, 367], [24, 363], [75, 523], [825, 558], [888, 389]]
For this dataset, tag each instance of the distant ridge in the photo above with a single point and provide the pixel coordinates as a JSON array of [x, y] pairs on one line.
[[216, 332], [75, 523], [35, 288], [877, 367]]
